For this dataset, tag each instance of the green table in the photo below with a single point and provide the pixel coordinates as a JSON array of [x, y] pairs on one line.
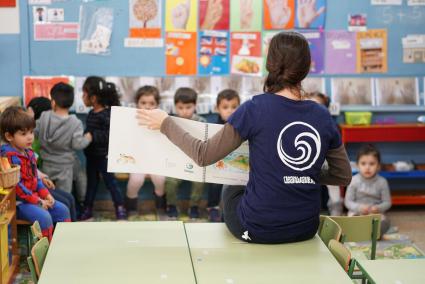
[[118, 253], [397, 271], [218, 257]]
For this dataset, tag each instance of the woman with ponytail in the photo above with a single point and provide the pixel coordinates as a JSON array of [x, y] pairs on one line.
[[289, 140], [100, 95]]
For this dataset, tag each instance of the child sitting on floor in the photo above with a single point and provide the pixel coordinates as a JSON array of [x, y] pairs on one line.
[[368, 192], [34, 202]]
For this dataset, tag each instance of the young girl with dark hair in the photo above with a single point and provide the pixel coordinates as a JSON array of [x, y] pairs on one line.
[[100, 95], [289, 140]]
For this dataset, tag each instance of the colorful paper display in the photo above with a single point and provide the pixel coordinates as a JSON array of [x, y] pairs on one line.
[[279, 14], [372, 51], [181, 53], [310, 14], [214, 53], [316, 42], [35, 87], [145, 18], [246, 15], [340, 53], [214, 14], [246, 53], [181, 15]]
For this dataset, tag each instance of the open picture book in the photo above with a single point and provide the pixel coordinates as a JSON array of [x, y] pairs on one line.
[[136, 149]]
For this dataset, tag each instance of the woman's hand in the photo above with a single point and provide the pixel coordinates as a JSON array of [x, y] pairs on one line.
[[153, 119]]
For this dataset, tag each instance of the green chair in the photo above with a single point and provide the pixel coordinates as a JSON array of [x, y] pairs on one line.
[[36, 233], [32, 269], [343, 256], [360, 228], [38, 253], [329, 230]]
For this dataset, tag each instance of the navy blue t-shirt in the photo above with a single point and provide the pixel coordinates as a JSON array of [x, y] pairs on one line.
[[288, 142]]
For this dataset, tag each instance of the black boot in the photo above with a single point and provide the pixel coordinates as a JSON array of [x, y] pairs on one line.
[[160, 202], [131, 204]]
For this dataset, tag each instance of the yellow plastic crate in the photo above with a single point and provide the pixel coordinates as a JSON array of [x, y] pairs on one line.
[[358, 118]]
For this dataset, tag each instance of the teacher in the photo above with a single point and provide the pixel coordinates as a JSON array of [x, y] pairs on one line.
[[289, 140]]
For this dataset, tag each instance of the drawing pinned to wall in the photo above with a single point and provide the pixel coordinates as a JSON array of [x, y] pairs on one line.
[[55, 31], [313, 84], [246, 53], [357, 22], [39, 86], [279, 14], [39, 14], [96, 25], [251, 86], [340, 52], [55, 15], [316, 42], [79, 105], [246, 15], [145, 23], [352, 91], [397, 91], [229, 82], [372, 51], [214, 53], [181, 15], [126, 87], [414, 49], [415, 2], [267, 37], [181, 53], [310, 14], [214, 14]]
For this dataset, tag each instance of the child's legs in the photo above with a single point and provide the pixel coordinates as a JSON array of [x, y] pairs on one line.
[[67, 199], [92, 180], [61, 175], [80, 180], [159, 183], [32, 213], [135, 182], [111, 183], [231, 198], [214, 194], [385, 224], [335, 200], [196, 194], [171, 187], [59, 212]]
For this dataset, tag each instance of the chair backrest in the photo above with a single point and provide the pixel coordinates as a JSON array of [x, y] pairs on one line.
[[32, 269], [38, 253], [341, 254], [360, 228], [36, 232], [329, 230]]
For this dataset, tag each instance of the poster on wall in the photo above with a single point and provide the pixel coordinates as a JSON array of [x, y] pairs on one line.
[[414, 49], [316, 42], [56, 15], [145, 23], [340, 52], [372, 51], [310, 14], [181, 15], [181, 53], [40, 86], [314, 84], [397, 91], [214, 14], [279, 14], [214, 53], [39, 14], [357, 22], [246, 15], [352, 91], [55, 31], [246, 53], [415, 2], [267, 37], [7, 3], [79, 105]]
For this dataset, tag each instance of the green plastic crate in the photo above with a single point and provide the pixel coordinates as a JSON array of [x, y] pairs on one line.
[[358, 118]]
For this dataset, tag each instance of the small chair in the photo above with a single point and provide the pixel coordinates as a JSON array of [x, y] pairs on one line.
[[329, 230], [38, 253], [360, 228], [343, 256], [26, 226], [36, 232], [32, 269]]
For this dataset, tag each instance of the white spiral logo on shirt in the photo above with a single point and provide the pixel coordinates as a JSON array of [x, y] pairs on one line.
[[309, 148]]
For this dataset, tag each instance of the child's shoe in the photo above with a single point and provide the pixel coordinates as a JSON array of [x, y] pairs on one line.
[[87, 214], [172, 211], [121, 213], [160, 202], [194, 212], [214, 215]]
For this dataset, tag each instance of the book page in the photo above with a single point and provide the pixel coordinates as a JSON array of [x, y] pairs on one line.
[[136, 149], [233, 169]]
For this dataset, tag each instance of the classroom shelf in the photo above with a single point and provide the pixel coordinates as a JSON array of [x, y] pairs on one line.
[[413, 132]]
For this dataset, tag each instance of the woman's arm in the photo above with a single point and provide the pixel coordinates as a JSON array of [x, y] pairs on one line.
[[204, 153], [339, 172]]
